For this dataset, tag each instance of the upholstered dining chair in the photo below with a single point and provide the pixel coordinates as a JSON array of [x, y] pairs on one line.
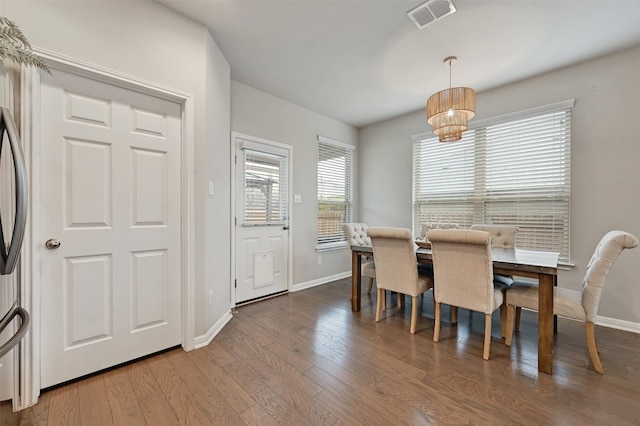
[[581, 305], [463, 275], [357, 236], [502, 236], [426, 227], [397, 268], [426, 269]]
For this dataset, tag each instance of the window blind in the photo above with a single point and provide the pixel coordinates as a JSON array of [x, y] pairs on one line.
[[265, 188], [335, 164], [511, 170]]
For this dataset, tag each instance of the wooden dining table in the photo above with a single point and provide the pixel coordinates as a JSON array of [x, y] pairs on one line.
[[540, 265]]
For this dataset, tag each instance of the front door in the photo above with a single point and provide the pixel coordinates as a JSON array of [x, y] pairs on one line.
[[262, 219], [109, 189]]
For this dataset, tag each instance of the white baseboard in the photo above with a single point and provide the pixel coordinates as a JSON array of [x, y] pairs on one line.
[[320, 281], [205, 339], [633, 327]]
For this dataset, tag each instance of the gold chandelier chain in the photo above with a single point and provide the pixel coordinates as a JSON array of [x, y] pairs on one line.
[[450, 60]]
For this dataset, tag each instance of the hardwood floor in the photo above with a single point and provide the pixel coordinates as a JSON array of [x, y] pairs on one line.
[[306, 359]]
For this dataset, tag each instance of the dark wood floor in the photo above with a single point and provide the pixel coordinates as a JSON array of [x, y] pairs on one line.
[[306, 359]]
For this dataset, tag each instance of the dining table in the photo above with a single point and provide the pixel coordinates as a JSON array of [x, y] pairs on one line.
[[541, 265]]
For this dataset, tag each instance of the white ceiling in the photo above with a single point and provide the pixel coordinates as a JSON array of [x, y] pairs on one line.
[[363, 61]]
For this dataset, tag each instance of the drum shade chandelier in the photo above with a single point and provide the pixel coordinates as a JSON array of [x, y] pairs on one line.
[[450, 110]]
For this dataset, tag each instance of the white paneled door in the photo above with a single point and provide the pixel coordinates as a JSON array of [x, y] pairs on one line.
[[110, 222], [262, 219]]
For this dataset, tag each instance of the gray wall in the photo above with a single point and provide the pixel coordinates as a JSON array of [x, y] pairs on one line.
[[148, 41], [605, 181], [258, 114]]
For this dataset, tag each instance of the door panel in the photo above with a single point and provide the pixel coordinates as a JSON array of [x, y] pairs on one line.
[[110, 191], [150, 188], [88, 306], [149, 289], [261, 263], [88, 198]]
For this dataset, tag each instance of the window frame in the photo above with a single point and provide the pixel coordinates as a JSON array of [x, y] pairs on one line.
[[263, 178], [474, 205], [339, 240]]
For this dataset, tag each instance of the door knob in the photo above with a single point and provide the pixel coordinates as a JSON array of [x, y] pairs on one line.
[[285, 227], [52, 243]]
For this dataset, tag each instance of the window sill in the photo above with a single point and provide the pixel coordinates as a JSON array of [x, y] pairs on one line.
[[332, 246], [565, 266]]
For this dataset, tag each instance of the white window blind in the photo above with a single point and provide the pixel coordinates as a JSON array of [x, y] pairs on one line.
[[265, 191], [335, 165], [510, 170]]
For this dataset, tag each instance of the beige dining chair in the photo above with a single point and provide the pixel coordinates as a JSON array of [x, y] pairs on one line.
[[426, 227], [397, 269], [581, 305], [463, 276], [502, 236], [357, 236], [427, 269]]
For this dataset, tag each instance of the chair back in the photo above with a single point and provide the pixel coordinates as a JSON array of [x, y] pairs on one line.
[[503, 236], [426, 227], [604, 256], [356, 234], [395, 255], [462, 268]]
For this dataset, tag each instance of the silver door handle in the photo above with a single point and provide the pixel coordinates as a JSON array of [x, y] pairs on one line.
[[52, 243], [24, 326], [9, 256]]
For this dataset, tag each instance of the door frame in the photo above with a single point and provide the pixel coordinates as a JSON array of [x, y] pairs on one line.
[[27, 370], [289, 148]]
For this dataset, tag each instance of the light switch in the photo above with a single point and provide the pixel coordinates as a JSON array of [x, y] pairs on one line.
[[297, 198], [210, 187]]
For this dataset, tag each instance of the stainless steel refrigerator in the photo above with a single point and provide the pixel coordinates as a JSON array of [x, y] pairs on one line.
[[13, 219]]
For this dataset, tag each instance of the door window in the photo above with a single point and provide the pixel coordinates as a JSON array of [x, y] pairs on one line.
[[264, 186]]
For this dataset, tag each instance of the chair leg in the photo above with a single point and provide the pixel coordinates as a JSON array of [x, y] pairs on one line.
[[592, 345], [414, 313], [400, 297], [379, 304], [454, 314], [436, 325], [503, 320], [511, 310], [433, 299], [384, 299], [487, 336], [518, 313], [370, 285]]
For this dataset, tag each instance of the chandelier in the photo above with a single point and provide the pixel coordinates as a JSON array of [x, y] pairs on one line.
[[450, 110]]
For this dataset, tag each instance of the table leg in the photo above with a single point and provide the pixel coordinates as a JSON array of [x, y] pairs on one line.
[[555, 317], [545, 323], [356, 281]]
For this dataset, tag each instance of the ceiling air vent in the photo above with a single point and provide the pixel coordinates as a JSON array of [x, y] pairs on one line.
[[431, 11]]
